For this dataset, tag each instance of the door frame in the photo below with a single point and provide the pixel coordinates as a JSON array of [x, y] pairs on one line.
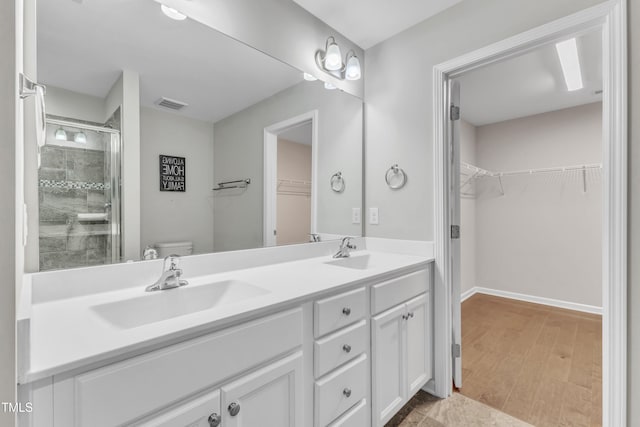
[[611, 18], [270, 173]]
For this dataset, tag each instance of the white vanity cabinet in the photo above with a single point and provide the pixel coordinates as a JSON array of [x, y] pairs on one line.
[[341, 358], [349, 358], [269, 396], [169, 383], [400, 343]]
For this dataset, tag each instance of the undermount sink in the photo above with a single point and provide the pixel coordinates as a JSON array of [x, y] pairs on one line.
[[361, 262], [162, 305]]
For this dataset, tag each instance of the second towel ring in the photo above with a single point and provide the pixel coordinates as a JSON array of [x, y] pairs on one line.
[[396, 177], [337, 182]]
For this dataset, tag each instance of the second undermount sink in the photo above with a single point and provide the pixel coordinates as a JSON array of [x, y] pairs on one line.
[[162, 305], [360, 262]]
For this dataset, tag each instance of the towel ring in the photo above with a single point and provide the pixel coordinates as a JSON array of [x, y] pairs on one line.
[[396, 177], [337, 182]]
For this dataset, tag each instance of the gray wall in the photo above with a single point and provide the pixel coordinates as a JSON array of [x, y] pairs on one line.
[[398, 79], [544, 236], [10, 259], [634, 215], [280, 28], [176, 216], [238, 154]]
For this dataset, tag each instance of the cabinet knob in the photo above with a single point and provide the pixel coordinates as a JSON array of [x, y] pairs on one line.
[[410, 314], [347, 392], [214, 420], [234, 408], [346, 311], [405, 317], [346, 348]]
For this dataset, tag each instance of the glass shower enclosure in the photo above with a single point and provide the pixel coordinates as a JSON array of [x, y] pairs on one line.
[[79, 196]]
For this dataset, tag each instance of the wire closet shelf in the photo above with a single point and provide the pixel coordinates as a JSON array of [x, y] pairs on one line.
[[470, 172]]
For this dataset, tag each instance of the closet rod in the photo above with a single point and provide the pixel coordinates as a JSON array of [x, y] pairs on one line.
[[479, 172]]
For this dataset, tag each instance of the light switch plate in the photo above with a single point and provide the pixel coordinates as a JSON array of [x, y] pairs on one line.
[[355, 216], [373, 216]]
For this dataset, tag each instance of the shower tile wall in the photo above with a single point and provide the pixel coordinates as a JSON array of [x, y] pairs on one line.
[[72, 182]]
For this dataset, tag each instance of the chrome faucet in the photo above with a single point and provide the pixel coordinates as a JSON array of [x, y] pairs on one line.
[[170, 278], [345, 248], [314, 237]]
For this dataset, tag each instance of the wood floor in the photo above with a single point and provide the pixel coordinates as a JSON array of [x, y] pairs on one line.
[[540, 364]]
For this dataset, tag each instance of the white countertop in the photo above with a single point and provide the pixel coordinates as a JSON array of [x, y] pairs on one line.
[[66, 334]]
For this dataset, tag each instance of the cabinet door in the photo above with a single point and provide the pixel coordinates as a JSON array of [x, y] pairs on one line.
[[418, 326], [388, 349], [270, 396], [203, 411]]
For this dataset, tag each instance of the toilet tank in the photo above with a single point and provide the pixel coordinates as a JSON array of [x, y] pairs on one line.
[[174, 248]]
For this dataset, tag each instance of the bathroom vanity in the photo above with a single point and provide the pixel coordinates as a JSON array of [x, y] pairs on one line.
[[301, 340]]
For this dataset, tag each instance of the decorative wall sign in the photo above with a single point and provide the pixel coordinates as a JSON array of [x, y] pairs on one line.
[[172, 173]]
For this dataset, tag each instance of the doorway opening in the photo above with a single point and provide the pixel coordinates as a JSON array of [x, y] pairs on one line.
[[290, 196], [610, 20], [529, 256]]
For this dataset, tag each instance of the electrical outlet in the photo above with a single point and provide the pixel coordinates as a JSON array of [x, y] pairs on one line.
[[355, 216], [373, 216]]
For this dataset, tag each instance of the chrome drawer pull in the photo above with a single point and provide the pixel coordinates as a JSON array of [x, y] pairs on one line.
[[346, 348], [214, 420], [234, 409], [346, 311], [347, 392]]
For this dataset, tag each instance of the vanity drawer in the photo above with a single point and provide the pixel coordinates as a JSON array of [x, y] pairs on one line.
[[340, 390], [340, 347], [149, 383], [194, 413], [395, 291], [336, 312], [355, 417]]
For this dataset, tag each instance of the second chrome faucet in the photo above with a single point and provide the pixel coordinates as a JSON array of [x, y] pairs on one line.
[[345, 248], [170, 277]]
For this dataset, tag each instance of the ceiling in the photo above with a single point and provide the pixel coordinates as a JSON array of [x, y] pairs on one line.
[[300, 134], [368, 22], [84, 46], [529, 84]]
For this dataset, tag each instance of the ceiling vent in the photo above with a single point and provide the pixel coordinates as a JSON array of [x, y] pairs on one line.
[[171, 104]]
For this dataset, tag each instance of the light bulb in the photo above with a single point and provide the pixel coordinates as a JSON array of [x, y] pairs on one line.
[[61, 135], [333, 57], [80, 138], [172, 13], [353, 69], [329, 86], [309, 77]]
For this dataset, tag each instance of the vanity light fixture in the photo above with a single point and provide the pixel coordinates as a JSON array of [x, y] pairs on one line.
[[172, 13], [80, 138], [61, 134], [309, 77], [330, 61], [570, 62]]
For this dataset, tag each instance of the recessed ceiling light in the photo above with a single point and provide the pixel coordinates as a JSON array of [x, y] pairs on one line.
[[329, 86], [570, 62], [172, 13], [309, 77]]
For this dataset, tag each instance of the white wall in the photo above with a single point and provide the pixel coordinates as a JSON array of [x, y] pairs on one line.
[[66, 103], [544, 236], [398, 79], [176, 216], [467, 211], [238, 154]]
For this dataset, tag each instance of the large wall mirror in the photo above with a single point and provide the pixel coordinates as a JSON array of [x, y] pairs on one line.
[[231, 148]]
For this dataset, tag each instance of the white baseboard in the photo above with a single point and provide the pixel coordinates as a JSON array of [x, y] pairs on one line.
[[531, 298]]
